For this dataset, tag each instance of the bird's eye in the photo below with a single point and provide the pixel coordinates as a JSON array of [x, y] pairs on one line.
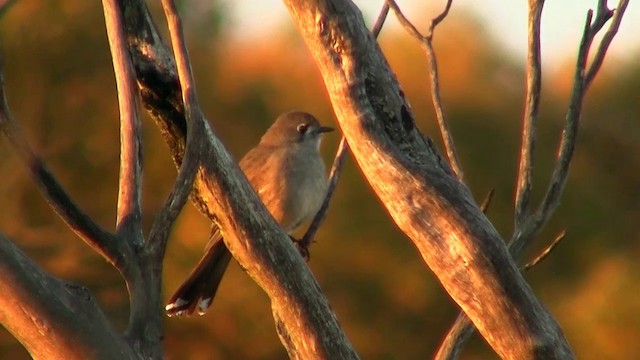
[[302, 128]]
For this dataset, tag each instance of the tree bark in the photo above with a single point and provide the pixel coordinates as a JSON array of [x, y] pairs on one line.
[[53, 319], [419, 190]]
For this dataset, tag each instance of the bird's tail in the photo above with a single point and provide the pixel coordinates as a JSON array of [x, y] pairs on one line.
[[200, 287]]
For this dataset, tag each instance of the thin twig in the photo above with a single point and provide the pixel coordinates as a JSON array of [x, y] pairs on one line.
[[598, 59], [427, 43], [543, 255], [336, 169], [129, 213], [529, 121], [487, 201], [103, 242]]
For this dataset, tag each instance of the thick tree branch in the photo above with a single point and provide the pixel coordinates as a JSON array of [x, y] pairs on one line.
[[62, 322], [222, 192], [338, 161], [419, 190]]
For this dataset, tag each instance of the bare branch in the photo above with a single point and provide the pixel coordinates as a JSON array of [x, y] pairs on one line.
[[543, 255], [334, 176], [408, 26], [598, 59], [455, 340], [103, 242], [487, 201], [568, 139], [129, 214], [524, 234], [49, 316], [382, 17], [336, 169], [427, 44], [529, 127]]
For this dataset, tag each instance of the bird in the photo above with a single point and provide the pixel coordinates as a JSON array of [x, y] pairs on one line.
[[287, 172]]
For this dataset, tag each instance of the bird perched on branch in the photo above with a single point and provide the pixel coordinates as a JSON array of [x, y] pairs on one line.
[[288, 174]]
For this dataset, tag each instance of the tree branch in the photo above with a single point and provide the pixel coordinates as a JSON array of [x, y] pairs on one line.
[[103, 242], [547, 250], [526, 232], [420, 192], [530, 119], [129, 214], [338, 161], [62, 321], [222, 192], [427, 44]]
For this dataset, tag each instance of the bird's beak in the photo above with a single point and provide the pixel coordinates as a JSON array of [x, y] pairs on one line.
[[324, 129]]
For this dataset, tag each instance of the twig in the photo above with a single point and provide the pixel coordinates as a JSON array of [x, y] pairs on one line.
[[103, 242], [487, 201], [598, 59], [529, 121], [543, 255], [129, 214], [336, 169], [183, 185], [334, 176], [427, 43]]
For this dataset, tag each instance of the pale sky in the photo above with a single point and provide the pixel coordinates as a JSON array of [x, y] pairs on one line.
[[563, 21]]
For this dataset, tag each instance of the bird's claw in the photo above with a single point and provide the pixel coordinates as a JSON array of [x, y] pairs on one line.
[[303, 248]]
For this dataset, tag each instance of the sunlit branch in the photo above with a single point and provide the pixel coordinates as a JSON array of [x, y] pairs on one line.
[[427, 43], [336, 169], [529, 121], [547, 250], [129, 214], [524, 234]]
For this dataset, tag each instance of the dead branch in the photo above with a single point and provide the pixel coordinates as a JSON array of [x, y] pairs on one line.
[[530, 119], [336, 168], [427, 44]]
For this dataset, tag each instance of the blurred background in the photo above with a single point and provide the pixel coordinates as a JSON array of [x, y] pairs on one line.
[[250, 65]]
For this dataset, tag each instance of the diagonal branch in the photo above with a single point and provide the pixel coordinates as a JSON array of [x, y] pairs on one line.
[[129, 214], [427, 44], [529, 121], [338, 161], [103, 242], [50, 317]]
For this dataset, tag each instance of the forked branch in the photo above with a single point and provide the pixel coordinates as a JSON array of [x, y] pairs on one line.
[[427, 43], [531, 225]]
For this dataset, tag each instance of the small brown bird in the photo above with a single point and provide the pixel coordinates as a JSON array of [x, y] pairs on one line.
[[288, 174]]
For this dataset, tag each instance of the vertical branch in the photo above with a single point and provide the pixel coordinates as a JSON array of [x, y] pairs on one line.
[[189, 96], [129, 215], [534, 81]]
